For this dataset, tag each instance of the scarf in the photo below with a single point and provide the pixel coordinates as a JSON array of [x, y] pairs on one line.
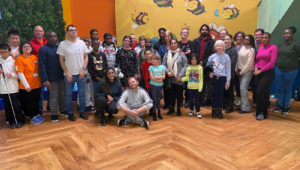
[[171, 61]]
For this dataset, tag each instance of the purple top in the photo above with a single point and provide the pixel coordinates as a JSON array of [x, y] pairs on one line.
[[266, 57]]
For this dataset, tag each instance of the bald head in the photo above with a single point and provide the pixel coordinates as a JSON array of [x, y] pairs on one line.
[[38, 32]]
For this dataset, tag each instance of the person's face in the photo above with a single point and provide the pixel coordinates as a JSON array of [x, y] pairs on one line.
[[52, 38], [223, 34], [265, 39], [219, 48], [194, 61], [142, 43], [111, 75], [287, 35], [204, 31], [133, 39], [168, 37], [26, 49], [126, 42], [239, 38], [246, 41], [184, 34], [108, 40], [148, 43], [174, 45], [38, 32], [155, 61], [161, 34], [95, 35], [95, 45], [148, 55], [133, 83], [14, 40], [227, 41], [258, 36], [72, 32], [4, 53]]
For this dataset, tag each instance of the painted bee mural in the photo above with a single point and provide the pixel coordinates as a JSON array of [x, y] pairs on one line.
[[230, 12], [163, 3], [195, 6], [139, 18]]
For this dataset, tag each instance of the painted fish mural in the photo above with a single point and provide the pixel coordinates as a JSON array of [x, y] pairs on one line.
[[195, 6], [163, 3]]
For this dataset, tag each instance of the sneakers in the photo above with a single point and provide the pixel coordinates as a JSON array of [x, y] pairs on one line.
[[89, 108], [285, 111], [145, 124], [72, 117], [54, 118], [121, 122], [278, 109], [260, 117], [199, 116], [237, 102], [36, 120], [64, 114], [102, 121], [41, 117], [83, 116], [191, 113], [186, 104], [242, 111]]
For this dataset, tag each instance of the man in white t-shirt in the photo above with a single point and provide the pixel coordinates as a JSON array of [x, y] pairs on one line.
[[73, 59]]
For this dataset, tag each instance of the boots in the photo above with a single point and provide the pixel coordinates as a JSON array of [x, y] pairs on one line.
[[102, 120], [171, 110], [214, 113], [220, 115]]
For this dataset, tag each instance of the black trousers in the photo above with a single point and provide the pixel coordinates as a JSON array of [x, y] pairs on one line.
[[253, 89], [263, 83], [228, 95], [167, 94], [156, 95], [13, 117], [176, 93], [102, 106], [30, 101], [218, 91]]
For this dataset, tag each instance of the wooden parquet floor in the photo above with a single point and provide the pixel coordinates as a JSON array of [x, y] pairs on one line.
[[236, 142]]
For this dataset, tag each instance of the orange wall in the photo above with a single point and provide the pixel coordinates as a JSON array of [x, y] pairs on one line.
[[89, 14]]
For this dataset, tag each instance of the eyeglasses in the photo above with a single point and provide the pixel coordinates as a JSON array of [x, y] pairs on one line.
[[26, 46], [72, 30]]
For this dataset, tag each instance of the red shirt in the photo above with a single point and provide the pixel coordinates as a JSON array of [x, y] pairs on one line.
[[202, 46], [37, 45], [145, 74], [134, 45]]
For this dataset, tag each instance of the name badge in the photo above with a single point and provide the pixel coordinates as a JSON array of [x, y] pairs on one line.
[[35, 74]]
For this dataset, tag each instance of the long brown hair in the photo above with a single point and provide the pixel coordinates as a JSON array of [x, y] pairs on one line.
[[106, 87]]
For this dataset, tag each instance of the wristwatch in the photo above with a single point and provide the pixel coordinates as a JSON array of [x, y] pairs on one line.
[[83, 68]]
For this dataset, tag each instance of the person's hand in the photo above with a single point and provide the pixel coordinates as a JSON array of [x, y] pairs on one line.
[[257, 72], [1, 71], [109, 99], [227, 85], [211, 74], [98, 79], [178, 79], [237, 74], [47, 84], [81, 74], [170, 74], [28, 89], [134, 113], [69, 77], [9, 75]]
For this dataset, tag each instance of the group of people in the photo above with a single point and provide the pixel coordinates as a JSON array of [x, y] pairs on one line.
[[133, 77]]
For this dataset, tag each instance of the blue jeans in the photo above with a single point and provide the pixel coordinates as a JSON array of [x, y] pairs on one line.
[[81, 92], [284, 81]]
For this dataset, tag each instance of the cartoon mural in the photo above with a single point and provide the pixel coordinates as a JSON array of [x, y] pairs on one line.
[[163, 3], [195, 6], [146, 17], [139, 18]]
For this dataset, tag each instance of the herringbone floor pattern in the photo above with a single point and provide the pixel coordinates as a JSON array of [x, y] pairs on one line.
[[236, 142]]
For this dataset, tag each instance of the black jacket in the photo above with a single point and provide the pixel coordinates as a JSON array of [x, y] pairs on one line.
[[209, 49]]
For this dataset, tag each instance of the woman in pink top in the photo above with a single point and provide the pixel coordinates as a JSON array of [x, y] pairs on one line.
[[264, 75]]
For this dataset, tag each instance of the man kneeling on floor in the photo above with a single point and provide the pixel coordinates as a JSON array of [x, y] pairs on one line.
[[135, 103]]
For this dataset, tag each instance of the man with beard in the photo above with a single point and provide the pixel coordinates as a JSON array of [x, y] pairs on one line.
[[161, 32], [204, 47]]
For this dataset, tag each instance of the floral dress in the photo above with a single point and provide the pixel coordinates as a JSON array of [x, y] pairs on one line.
[[126, 60]]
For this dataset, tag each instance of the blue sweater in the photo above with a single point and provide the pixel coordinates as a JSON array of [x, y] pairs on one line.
[[49, 67], [221, 65], [116, 89]]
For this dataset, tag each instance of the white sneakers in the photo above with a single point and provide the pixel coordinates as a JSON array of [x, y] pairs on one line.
[[198, 114]]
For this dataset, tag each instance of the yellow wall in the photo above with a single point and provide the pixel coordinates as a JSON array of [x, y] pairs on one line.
[[176, 16]]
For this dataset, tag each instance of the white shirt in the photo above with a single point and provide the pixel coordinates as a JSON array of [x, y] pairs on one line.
[[74, 55], [10, 85]]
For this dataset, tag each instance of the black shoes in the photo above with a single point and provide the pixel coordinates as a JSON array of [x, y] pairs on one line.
[[89, 108], [54, 118], [171, 111], [229, 110], [242, 111], [83, 116], [217, 112], [178, 112], [159, 115], [102, 121], [154, 117], [72, 117], [145, 124], [165, 107], [220, 115], [214, 113], [186, 104], [121, 122]]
